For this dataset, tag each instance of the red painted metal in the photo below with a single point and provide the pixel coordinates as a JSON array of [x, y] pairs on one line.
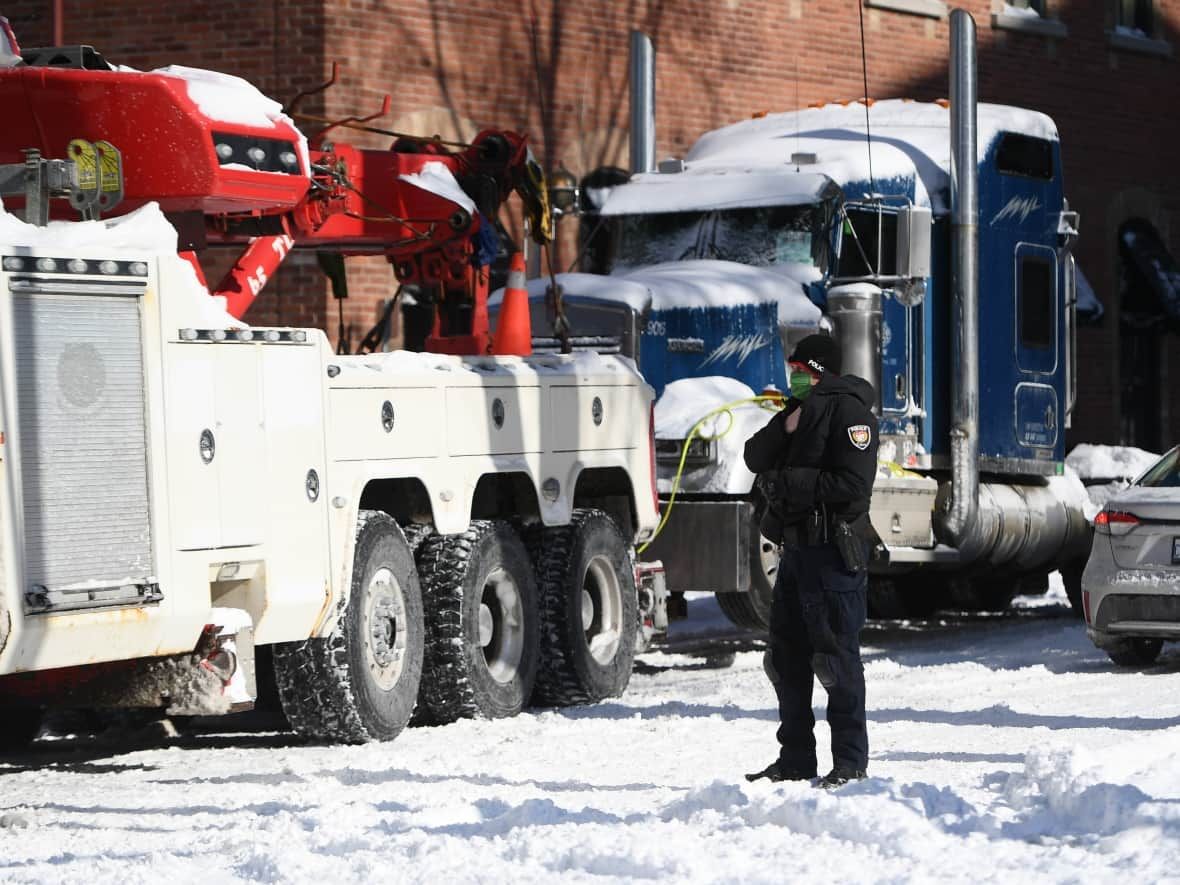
[[166, 140], [251, 271], [345, 199]]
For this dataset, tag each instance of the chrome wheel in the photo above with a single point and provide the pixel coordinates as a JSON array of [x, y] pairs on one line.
[[501, 625], [602, 609], [385, 631], [769, 554]]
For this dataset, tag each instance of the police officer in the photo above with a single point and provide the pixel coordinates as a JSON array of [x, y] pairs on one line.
[[815, 461]]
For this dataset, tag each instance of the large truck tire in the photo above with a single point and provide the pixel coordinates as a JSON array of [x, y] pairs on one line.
[[751, 610], [589, 610], [481, 624], [20, 728], [360, 683]]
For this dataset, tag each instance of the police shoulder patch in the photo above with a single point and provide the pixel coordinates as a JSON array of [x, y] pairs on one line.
[[860, 436]]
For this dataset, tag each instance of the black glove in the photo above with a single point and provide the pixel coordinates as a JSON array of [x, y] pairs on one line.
[[771, 485]]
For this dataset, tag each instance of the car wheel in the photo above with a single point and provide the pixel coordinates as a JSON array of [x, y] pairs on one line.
[[1138, 652], [360, 682], [481, 624], [589, 610]]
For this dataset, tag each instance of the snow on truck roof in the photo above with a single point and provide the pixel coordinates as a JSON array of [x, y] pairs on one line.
[[909, 140], [716, 187]]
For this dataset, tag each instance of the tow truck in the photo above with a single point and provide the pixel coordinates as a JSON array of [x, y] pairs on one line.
[[186, 500]]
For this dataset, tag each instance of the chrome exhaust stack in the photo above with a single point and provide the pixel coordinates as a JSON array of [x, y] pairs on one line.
[[643, 103], [960, 513]]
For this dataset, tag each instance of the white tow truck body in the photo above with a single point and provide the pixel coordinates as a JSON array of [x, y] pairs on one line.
[[164, 465]]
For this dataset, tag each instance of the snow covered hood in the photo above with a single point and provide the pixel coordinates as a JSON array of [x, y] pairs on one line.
[[909, 140], [693, 284], [713, 187]]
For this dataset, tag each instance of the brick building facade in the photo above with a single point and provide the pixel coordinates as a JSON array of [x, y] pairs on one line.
[[1104, 70]]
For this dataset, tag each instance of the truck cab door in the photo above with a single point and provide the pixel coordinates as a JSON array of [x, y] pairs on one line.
[[1022, 369], [1038, 409]]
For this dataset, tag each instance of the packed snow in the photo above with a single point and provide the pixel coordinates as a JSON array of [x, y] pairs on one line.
[[1004, 748]]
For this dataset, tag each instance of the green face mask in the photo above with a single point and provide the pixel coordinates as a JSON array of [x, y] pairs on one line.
[[800, 384]]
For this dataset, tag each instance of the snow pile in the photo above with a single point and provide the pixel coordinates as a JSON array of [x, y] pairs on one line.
[[145, 230], [1107, 470], [1107, 463], [687, 401], [141, 233], [1059, 795]]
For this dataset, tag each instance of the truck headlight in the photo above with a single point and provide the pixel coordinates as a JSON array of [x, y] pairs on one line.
[[700, 451]]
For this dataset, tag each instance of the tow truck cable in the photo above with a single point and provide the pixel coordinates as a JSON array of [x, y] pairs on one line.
[[772, 402]]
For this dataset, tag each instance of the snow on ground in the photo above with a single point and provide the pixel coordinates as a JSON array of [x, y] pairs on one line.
[[1003, 748]]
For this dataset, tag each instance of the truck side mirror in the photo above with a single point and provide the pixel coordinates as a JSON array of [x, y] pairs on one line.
[[913, 242]]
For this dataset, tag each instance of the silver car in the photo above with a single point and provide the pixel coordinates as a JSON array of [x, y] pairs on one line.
[[1131, 585]]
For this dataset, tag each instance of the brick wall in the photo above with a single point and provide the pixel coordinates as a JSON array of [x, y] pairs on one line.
[[558, 70]]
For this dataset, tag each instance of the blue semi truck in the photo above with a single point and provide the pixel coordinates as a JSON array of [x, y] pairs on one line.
[[933, 240]]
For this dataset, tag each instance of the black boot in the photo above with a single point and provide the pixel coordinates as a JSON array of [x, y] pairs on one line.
[[839, 776], [776, 772]]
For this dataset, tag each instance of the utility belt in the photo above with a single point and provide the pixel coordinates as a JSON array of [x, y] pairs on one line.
[[849, 537]]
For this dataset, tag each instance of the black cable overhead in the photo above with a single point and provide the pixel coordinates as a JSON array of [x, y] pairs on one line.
[[864, 67]]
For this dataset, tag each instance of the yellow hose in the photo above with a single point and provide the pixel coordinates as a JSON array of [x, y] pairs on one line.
[[765, 401]]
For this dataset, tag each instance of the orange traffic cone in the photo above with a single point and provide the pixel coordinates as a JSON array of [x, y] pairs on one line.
[[514, 331]]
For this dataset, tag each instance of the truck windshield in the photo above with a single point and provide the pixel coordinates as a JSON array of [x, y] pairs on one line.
[[760, 236], [767, 235], [652, 239]]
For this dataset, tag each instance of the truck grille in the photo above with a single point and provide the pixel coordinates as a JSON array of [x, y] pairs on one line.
[[82, 440]]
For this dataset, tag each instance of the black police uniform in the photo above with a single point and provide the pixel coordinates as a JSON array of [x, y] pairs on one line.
[[817, 482]]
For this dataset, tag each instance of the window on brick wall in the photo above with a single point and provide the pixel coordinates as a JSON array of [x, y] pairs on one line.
[[1137, 28], [1135, 17]]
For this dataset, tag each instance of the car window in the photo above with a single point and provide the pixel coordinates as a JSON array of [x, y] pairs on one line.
[[1165, 473]]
